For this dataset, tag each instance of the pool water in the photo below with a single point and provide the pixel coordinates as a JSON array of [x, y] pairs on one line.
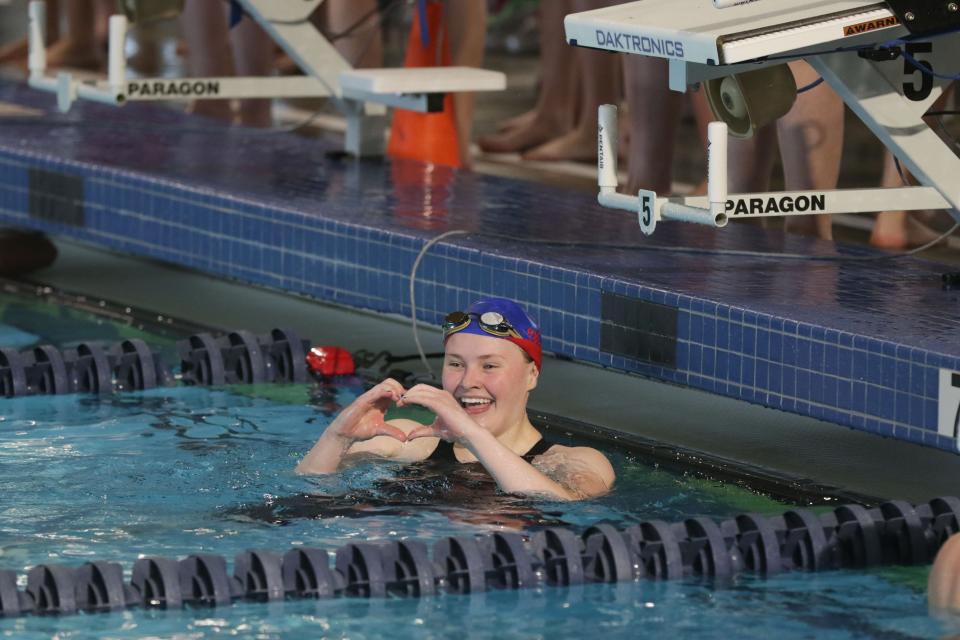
[[184, 470]]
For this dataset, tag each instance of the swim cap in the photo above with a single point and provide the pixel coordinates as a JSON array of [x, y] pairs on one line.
[[499, 318]]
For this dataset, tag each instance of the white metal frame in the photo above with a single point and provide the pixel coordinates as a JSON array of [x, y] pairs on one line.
[[714, 42], [361, 95]]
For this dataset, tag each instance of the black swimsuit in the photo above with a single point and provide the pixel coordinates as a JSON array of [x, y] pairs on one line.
[[444, 452], [438, 483]]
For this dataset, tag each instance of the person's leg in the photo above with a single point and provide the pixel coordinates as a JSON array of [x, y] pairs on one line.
[[555, 110], [206, 32], [600, 82], [364, 47], [654, 116], [16, 52], [811, 145], [102, 10], [898, 229], [943, 585], [253, 55], [54, 15], [466, 22], [78, 48]]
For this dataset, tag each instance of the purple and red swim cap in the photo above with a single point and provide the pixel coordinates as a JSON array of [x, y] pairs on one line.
[[499, 318]]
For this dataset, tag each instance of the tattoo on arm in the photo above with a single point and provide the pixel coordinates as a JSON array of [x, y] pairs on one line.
[[571, 474]]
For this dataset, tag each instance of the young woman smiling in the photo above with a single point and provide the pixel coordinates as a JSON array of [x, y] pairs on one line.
[[492, 359]]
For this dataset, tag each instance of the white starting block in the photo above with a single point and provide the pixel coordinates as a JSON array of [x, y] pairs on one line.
[[889, 61], [362, 95]]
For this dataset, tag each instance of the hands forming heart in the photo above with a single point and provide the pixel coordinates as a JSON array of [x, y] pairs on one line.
[[364, 418], [453, 424]]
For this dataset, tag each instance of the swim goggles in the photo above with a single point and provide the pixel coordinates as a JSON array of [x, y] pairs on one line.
[[491, 322]]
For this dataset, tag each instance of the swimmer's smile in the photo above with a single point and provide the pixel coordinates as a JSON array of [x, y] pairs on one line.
[[474, 405]]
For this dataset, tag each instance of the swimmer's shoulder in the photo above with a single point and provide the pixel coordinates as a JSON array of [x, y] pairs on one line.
[[583, 469]]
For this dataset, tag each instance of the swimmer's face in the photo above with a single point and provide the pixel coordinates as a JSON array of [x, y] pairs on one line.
[[490, 377]]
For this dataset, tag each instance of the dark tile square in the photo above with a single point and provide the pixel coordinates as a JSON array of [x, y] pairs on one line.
[[844, 394], [789, 386], [761, 374], [803, 354], [902, 407], [803, 385], [829, 386]]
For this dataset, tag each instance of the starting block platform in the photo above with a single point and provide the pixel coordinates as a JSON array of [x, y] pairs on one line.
[[840, 333]]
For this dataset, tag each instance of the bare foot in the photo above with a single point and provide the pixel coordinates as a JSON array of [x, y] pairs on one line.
[[14, 52], [577, 145], [68, 52], [817, 226], [522, 121], [541, 130], [897, 230]]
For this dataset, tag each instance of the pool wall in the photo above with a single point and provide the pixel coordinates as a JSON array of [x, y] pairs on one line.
[[861, 343]]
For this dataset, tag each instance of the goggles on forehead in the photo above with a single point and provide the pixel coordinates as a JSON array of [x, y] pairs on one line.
[[491, 322]]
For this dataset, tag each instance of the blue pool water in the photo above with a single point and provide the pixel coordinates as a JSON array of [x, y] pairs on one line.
[[179, 471], [186, 470]]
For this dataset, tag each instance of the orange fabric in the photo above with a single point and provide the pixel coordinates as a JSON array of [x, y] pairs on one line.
[[428, 137]]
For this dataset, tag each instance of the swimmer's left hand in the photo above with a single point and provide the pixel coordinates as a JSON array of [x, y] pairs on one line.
[[453, 424]]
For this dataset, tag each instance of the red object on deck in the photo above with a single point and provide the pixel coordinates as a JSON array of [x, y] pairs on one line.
[[329, 361]]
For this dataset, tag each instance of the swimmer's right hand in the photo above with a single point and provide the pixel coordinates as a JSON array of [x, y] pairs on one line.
[[363, 419]]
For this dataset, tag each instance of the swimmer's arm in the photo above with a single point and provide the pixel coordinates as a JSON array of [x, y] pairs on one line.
[[330, 452], [582, 472], [943, 585]]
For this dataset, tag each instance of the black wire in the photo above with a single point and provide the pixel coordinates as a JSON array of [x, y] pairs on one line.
[[903, 177], [812, 85], [922, 68], [353, 27]]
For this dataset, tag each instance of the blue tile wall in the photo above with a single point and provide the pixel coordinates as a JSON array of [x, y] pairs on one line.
[[854, 343]]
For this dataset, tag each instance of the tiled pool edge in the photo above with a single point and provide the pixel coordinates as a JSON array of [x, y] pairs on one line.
[[858, 381]]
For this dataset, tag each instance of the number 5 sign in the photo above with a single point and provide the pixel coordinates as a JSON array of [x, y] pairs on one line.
[[648, 214]]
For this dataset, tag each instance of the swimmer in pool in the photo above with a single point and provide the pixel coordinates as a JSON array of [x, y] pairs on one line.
[[943, 585], [492, 359]]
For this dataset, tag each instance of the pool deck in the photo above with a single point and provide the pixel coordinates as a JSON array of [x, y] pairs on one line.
[[868, 344]]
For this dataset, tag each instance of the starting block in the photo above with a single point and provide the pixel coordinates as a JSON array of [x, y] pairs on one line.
[[361, 95], [888, 61]]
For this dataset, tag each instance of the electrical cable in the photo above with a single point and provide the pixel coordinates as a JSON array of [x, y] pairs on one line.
[[413, 300], [924, 68], [383, 13], [350, 29], [812, 85]]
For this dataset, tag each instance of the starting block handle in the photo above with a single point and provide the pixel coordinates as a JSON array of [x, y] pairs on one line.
[[37, 37]]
